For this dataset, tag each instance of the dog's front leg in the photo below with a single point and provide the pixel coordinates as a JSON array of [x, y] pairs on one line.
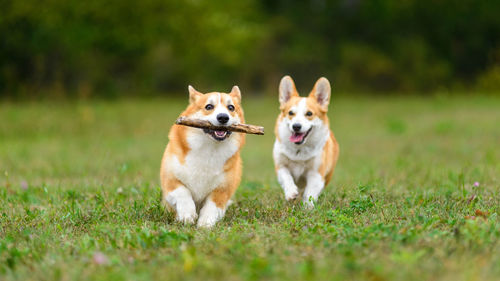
[[215, 207], [314, 186], [285, 179], [181, 201]]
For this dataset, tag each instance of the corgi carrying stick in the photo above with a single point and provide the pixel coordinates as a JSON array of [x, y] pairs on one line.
[[305, 151], [201, 168]]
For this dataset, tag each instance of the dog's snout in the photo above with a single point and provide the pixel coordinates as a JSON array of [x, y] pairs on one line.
[[222, 118], [296, 127]]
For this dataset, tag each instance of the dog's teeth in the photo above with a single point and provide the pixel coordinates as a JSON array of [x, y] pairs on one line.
[[220, 133]]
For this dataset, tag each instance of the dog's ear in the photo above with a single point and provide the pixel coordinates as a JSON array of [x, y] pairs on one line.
[[236, 94], [287, 90], [321, 93], [193, 94]]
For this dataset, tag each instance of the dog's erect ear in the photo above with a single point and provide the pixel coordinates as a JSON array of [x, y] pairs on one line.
[[193, 94], [287, 90], [236, 94], [321, 93]]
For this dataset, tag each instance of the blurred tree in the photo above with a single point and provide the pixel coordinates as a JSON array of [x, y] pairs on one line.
[[111, 48]]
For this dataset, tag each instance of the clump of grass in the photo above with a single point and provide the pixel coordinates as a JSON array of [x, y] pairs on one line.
[[80, 197]]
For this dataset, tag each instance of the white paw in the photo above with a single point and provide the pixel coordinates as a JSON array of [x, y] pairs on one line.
[[210, 214], [207, 221], [187, 215], [308, 202], [291, 193]]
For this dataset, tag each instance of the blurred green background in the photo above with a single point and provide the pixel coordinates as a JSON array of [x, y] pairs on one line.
[[62, 48], [89, 90]]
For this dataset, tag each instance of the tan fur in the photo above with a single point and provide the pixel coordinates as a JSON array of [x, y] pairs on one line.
[[330, 152], [329, 158], [331, 149], [178, 146]]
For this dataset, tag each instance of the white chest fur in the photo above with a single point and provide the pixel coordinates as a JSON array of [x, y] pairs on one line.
[[297, 169], [300, 159], [203, 167]]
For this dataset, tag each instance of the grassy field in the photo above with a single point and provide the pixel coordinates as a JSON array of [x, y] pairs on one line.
[[79, 196]]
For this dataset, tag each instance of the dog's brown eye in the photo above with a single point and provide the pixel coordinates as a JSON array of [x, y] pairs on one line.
[[230, 107], [309, 113], [290, 113], [209, 107]]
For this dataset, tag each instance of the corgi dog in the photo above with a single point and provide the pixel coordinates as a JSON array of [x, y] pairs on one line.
[[305, 151], [201, 168]]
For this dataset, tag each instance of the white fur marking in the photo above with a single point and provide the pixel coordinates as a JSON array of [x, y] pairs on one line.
[[286, 181], [220, 107], [203, 169], [180, 199], [296, 162], [210, 214], [299, 117], [315, 185], [313, 144]]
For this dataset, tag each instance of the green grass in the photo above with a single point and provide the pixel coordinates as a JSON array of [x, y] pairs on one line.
[[81, 178]]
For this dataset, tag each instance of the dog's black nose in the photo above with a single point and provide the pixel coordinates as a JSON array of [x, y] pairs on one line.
[[222, 118], [296, 127]]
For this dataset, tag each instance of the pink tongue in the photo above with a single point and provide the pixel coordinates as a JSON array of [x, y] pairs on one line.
[[220, 133], [296, 137]]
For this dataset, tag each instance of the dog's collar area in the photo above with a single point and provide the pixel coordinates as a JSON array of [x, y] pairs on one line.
[[217, 135]]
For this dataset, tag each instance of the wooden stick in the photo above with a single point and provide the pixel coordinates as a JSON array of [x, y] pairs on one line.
[[204, 124]]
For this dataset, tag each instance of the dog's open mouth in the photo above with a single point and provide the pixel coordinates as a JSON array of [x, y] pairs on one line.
[[217, 135], [299, 138]]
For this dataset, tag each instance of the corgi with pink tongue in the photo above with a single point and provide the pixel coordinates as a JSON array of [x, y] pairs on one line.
[[201, 168], [305, 151]]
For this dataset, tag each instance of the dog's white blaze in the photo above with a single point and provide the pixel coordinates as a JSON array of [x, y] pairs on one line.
[[300, 116], [203, 169], [214, 100], [210, 214], [219, 107]]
